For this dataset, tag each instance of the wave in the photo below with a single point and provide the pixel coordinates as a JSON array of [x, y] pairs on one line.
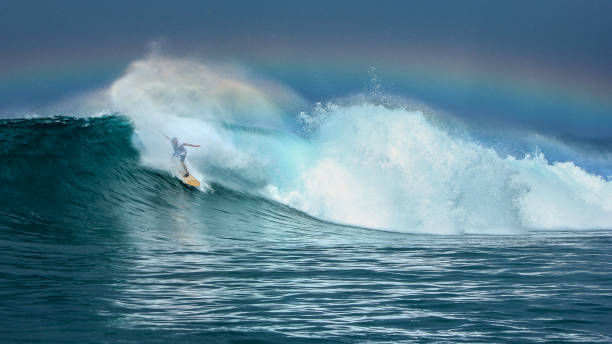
[[358, 163]]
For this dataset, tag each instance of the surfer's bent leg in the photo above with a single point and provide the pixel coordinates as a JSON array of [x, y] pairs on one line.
[[183, 163]]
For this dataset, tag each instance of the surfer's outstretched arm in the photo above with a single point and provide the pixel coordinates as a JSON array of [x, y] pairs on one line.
[[190, 145]]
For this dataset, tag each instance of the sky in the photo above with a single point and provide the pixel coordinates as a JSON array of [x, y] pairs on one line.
[[526, 62]]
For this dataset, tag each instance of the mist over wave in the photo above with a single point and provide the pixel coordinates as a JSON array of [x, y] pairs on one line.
[[193, 101], [358, 163]]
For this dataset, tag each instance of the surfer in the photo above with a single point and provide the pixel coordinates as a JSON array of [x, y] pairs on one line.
[[180, 151]]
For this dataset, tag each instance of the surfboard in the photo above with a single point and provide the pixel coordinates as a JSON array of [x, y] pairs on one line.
[[190, 180]]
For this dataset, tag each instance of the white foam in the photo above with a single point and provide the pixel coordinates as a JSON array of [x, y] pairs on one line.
[[393, 169], [562, 195]]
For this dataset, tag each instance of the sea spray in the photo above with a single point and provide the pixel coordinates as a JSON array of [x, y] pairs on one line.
[[562, 195], [391, 169], [192, 101], [394, 169]]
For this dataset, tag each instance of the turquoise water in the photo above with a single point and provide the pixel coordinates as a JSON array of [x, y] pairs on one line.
[[96, 246]]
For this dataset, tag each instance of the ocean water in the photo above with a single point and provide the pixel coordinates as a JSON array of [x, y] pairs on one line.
[[361, 220]]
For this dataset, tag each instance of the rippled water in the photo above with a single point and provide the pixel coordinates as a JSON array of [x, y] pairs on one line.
[[311, 283]]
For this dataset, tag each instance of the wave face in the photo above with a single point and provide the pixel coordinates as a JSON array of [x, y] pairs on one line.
[[61, 167], [361, 163]]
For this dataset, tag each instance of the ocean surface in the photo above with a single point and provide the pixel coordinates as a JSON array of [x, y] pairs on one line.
[[356, 221], [98, 248]]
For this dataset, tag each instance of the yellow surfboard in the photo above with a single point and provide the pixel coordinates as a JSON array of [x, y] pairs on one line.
[[190, 180]]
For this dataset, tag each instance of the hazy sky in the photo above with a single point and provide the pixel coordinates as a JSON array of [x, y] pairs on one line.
[[575, 34], [49, 48]]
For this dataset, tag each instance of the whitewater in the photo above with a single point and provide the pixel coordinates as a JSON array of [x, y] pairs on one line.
[[357, 161]]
